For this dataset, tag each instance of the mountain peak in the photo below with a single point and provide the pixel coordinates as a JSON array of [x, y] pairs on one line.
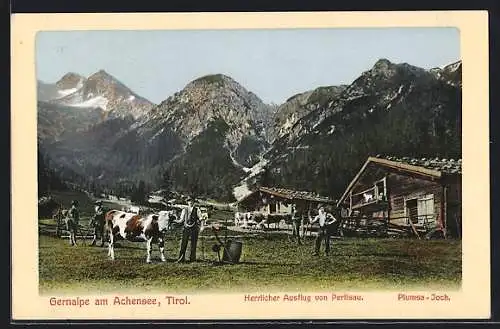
[[70, 80], [452, 67], [386, 69], [102, 75], [382, 62], [383, 67], [217, 78], [450, 73], [99, 90], [103, 82]]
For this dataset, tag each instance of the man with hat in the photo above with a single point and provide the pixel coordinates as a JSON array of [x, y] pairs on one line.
[[325, 221], [97, 223], [72, 222], [191, 217]]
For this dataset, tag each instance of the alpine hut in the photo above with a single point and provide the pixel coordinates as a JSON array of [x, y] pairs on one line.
[[422, 194]]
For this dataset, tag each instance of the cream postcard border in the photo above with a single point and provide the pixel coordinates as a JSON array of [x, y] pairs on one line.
[[472, 301]]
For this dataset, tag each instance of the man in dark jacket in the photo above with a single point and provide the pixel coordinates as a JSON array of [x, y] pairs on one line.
[[97, 223], [191, 217], [73, 222], [297, 221]]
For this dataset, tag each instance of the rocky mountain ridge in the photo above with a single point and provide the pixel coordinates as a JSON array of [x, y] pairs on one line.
[[208, 99], [214, 133], [299, 105], [395, 109], [99, 90], [214, 111]]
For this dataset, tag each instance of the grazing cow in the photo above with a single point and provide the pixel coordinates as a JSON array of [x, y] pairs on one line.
[[273, 219], [171, 216], [120, 225], [204, 214], [59, 216], [236, 218], [133, 209], [244, 219]]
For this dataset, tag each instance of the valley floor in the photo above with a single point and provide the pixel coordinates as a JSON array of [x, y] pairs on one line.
[[269, 261]]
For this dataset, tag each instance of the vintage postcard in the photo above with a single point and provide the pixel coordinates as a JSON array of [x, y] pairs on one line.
[[224, 166]]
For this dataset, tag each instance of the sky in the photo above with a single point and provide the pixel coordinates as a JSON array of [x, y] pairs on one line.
[[274, 64]]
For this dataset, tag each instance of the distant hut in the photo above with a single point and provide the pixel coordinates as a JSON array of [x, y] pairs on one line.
[[279, 201], [421, 194]]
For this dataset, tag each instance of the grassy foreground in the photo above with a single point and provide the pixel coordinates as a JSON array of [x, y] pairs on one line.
[[269, 262]]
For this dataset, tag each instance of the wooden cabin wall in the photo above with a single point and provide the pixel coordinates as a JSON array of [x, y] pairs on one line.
[[401, 187], [285, 208], [381, 214], [281, 208], [266, 203], [454, 208], [263, 209], [455, 190]]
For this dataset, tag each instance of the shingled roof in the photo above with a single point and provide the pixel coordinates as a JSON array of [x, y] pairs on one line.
[[293, 194], [448, 166], [297, 195], [433, 167]]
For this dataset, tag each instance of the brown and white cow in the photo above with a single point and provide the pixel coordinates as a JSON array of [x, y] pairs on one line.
[[120, 225]]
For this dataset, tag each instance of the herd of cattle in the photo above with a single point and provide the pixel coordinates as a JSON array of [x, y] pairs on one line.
[[259, 220], [136, 224], [254, 220]]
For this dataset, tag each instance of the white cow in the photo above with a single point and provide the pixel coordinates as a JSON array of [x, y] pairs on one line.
[[134, 209], [241, 218], [238, 218], [245, 219]]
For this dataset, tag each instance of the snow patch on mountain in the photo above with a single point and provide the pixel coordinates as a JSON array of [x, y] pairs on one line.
[[241, 190], [99, 101], [65, 92], [237, 164]]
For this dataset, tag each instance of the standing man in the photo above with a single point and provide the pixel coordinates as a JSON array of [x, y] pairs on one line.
[[325, 220], [297, 221], [191, 216], [72, 222], [97, 223]]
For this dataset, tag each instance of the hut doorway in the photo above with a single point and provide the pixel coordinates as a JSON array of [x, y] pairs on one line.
[[272, 208], [420, 211]]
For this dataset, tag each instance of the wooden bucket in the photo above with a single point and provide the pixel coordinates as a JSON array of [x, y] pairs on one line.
[[232, 251]]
